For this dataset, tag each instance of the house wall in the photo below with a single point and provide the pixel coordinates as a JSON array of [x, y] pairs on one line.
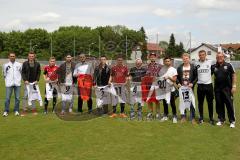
[[194, 54]]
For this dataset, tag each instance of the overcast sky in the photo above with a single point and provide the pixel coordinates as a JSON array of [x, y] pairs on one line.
[[210, 21]]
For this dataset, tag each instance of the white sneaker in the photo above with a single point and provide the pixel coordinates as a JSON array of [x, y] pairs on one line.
[[174, 120], [70, 110], [219, 123], [165, 118], [232, 125], [16, 113], [5, 114]]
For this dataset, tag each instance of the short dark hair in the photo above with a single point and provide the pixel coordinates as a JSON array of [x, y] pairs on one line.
[[103, 56], [31, 52], [52, 58], [12, 53], [202, 51], [120, 56], [167, 57]]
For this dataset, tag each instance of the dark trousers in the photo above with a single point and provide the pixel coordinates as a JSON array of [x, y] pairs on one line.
[[122, 105], [173, 105], [80, 103], [224, 97], [205, 90], [54, 100]]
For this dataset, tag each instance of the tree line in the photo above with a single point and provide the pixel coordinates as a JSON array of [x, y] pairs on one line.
[[108, 40]]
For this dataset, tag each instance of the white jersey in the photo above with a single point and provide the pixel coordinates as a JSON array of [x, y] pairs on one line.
[[49, 90], [136, 93], [66, 92], [204, 72], [186, 98], [168, 72], [118, 93], [33, 93], [162, 89], [102, 96], [12, 74]]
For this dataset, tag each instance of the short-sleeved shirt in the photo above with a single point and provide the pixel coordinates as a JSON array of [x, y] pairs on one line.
[[153, 69], [223, 75], [137, 73], [204, 72], [119, 74], [50, 72]]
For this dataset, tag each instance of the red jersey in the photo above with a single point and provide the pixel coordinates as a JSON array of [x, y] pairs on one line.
[[50, 72], [153, 69], [119, 74]]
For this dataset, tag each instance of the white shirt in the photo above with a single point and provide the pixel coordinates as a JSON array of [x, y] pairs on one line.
[[186, 98], [66, 92], [162, 89], [136, 93], [204, 72], [102, 96], [33, 93], [12, 74], [186, 72], [83, 68], [168, 72]]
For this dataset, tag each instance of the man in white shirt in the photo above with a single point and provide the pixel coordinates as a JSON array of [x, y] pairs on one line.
[[170, 74], [205, 87], [83, 71], [12, 75]]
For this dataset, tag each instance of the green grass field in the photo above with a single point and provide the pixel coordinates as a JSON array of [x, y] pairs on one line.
[[48, 137]]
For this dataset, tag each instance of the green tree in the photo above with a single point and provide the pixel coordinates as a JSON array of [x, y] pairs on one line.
[[171, 50], [179, 49]]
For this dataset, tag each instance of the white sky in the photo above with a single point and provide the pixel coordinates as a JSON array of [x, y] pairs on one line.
[[209, 21]]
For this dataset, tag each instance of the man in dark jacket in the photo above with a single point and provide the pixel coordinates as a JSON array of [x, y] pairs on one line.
[[31, 71], [65, 77], [187, 73], [101, 79]]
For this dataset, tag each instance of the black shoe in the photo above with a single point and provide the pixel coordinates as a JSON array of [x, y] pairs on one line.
[[200, 121], [212, 122]]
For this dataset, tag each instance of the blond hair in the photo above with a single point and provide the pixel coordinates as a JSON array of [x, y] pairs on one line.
[[186, 55]]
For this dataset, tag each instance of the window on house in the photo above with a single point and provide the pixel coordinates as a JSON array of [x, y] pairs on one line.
[[209, 53]]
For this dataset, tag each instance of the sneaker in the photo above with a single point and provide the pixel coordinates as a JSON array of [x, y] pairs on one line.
[[194, 121], [5, 114], [200, 121], [114, 115], [45, 112], [183, 120], [62, 113], [232, 125], [149, 116], [165, 118], [123, 115], [174, 120], [34, 112], [70, 110], [24, 113], [16, 113], [158, 117], [219, 123]]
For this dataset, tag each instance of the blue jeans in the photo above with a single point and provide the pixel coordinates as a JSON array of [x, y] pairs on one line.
[[8, 97], [139, 108]]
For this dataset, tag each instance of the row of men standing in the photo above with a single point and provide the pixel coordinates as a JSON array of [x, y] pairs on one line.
[[200, 73]]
